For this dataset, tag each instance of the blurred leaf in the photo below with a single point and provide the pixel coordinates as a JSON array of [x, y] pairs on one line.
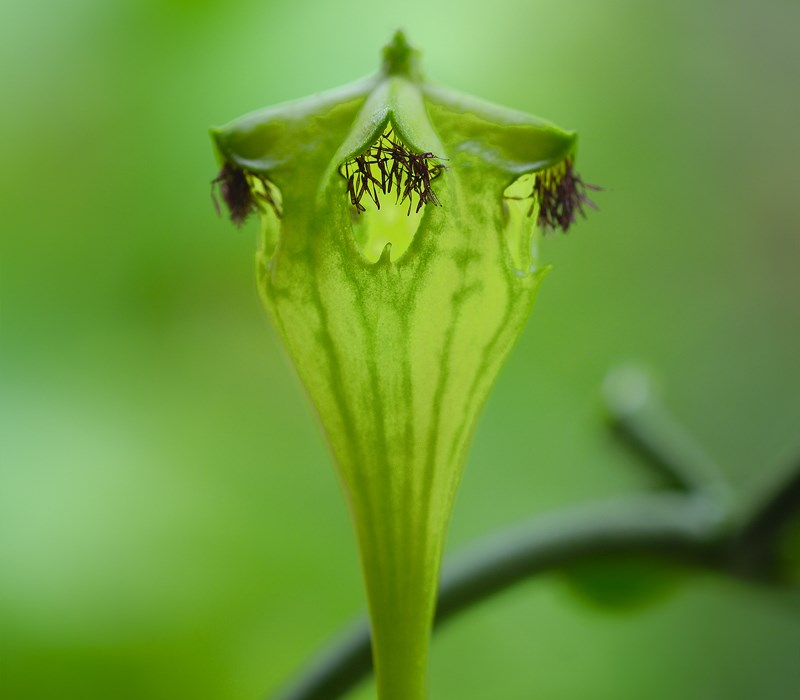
[[623, 582]]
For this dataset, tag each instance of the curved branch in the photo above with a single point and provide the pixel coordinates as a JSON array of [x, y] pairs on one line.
[[692, 525], [755, 549], [677, 527]]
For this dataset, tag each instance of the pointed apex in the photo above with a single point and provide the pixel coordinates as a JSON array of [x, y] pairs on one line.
[[386, 255], [399, 58]]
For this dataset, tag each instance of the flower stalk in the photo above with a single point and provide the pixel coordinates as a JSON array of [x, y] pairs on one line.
[[399, 277]]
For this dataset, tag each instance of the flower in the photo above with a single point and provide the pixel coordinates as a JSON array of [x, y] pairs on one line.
[[398, 263]]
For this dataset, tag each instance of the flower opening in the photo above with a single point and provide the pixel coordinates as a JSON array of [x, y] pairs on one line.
[[389, 165]]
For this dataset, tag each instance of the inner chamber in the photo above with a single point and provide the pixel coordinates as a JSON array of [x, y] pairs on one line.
[[389, 186]]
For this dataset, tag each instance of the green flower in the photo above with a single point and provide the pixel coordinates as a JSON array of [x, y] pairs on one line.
[[398, 262]]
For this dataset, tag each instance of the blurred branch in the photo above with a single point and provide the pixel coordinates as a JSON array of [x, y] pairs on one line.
[[641, 420], [756, 548], [695, 524]]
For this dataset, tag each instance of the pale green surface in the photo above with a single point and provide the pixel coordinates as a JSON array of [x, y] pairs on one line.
[[170, 523]]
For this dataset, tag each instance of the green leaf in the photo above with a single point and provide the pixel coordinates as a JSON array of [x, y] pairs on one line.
[[623, 582], [397, 325], [788, 552]]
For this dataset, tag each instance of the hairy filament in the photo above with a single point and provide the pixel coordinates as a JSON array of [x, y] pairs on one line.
[[244, 193], [560, 194], [389, 165]]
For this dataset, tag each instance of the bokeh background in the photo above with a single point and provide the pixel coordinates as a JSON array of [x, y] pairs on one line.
[[170, 524]]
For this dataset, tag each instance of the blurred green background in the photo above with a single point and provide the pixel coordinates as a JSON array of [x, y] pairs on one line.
[[170, 524]]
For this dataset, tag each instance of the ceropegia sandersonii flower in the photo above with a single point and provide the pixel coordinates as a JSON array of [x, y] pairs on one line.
[[398, 262]]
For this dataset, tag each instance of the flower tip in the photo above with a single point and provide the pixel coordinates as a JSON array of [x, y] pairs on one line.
[[399, 58]]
